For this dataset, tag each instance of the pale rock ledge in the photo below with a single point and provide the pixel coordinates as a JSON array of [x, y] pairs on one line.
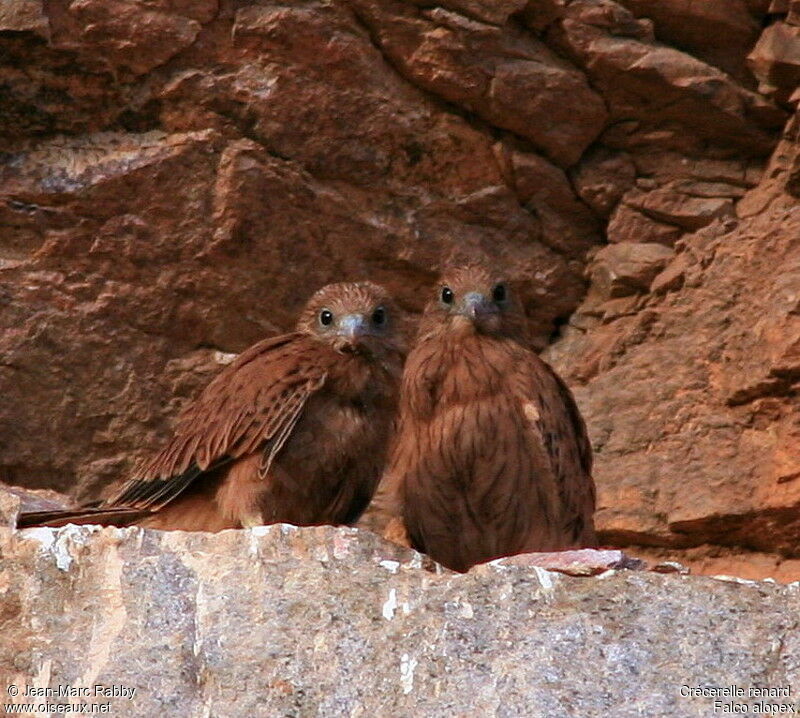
[[336, 622]]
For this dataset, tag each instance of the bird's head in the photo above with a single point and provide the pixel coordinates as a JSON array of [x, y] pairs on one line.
[[474, 298], [358, 317]]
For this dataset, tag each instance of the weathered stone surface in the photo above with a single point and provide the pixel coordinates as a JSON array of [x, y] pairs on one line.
[[737, 171], [17, 500], [9, 509], [584, 562], [670, 205], [781, 181], [775, 60], [701, 383], [794, 13], [568, 225], [176, 177], [627, 224], [24, 15], [602, 177], [509, 78], [496, 12], [724, 561], [618, 270], [660, 86], [330, 621], [721, 32], [125, 35], [672, 277], [719, 190]]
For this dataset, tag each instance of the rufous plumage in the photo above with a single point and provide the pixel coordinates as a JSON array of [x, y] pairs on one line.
[[294, 430], [491, 456]]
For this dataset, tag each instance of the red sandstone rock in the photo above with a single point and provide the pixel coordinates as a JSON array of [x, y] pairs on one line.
[[602, 177], [24, 15], [668, 204], [618, 270], [672, 277], [721, 32], [775, 60], [628, 224], [659, 85], [740, 172], [124, 35], [496, 12], [700, 382], [779, 6], [568, 226], [505, 76]]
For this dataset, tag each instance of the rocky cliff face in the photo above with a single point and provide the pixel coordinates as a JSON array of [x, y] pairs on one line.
[[176, 177]]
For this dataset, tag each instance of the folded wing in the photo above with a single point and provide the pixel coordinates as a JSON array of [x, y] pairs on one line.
[[252, 405]]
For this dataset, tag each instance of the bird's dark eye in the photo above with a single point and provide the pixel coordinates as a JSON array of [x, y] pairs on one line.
[[500, 293], [447, 295], [379, 317], [325, 317]]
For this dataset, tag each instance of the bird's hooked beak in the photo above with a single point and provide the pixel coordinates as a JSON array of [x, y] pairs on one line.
[[351, 329], [476, 306], [480, 311]]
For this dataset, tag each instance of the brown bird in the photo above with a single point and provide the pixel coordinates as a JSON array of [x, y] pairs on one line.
[[491, 456], [294, 430]]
